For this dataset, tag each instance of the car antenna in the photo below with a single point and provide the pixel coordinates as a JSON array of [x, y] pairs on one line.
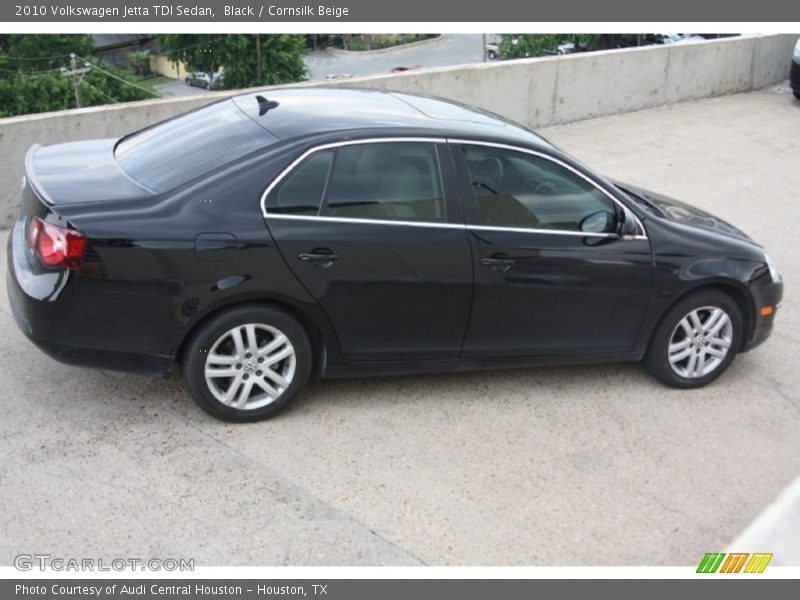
[[265, 105]]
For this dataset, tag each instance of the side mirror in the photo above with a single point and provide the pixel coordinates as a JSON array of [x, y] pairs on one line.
[[627, 225], [601, 221]]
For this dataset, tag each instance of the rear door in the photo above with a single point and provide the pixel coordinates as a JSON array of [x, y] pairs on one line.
[[373, 229]]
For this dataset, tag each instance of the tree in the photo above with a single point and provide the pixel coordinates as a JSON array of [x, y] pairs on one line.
[[140, 59], [248, 60], [31, 80]]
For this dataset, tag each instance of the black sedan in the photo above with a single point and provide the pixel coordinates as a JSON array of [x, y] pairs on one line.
[[794, 73], [271, 237]]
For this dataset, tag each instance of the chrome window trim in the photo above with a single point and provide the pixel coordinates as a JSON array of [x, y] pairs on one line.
[[432, 224], [310, 151], [370, 221], [561, 163]]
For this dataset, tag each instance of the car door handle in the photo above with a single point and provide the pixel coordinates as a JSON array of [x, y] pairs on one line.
[[321, 257], [500, 263]]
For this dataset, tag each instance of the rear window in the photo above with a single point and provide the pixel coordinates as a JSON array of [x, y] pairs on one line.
[[173, 152]]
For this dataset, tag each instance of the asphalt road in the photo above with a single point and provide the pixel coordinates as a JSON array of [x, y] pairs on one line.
[[578, 466]]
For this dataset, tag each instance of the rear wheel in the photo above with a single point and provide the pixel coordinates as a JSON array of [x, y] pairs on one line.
[[696, 341], [797, 94], [247, 364]]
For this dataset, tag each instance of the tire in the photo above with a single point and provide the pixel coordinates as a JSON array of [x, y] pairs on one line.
[[245, 395], [796, 94], [491, 55], [208, 87], [681, 358], [188, 82]]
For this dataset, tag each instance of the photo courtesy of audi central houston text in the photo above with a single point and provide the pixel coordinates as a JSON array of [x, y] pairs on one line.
[[285, 234]]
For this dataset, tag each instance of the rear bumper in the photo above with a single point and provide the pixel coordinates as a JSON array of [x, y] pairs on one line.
[[44, 323]]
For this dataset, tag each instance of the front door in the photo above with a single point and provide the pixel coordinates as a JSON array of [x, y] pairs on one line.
[[552, 274]]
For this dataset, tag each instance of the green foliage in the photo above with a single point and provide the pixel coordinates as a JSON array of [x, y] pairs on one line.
[[139, 59], [248, 60], [538, 44], [31, 81]]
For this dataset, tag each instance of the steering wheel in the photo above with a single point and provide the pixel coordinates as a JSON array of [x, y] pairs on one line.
[[477, 183], [543, 188]]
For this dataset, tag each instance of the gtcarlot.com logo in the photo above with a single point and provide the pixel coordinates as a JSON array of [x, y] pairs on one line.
[[736, 562], [42, 562]]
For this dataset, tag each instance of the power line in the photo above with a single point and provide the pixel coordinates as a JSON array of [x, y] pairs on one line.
[[30, 71], [120, 79], [5, 56], [99, 91]]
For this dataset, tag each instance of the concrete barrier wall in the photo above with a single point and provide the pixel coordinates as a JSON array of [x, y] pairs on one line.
[[535, 92]]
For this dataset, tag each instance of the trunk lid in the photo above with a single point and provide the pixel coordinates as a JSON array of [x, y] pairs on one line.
[[79, 172]]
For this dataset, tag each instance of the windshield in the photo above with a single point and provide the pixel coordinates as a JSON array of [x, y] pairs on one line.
[[178, 150]]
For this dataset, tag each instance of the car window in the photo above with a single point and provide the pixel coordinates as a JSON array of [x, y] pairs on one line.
[[517, 189], [300, 192], [173, 152], [393, 181]]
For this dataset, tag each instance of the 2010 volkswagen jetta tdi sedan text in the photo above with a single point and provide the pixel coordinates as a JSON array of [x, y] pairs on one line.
[[270, 237]]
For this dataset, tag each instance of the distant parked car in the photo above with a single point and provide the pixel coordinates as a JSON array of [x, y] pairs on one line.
[[794, 74], [208, 81], [493, 51], [404, 69]]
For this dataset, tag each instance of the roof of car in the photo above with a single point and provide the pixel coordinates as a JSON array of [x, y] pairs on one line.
[[295, 112]]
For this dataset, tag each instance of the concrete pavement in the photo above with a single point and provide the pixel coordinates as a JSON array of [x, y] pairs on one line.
[[578, 466]]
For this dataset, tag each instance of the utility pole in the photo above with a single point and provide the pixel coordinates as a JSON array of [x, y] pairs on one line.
[[76, 75], [258, 58]]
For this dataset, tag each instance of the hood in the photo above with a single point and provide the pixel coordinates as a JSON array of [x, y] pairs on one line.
[[680, 212], [78, 172]]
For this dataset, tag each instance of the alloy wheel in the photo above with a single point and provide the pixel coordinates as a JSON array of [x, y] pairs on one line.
[[250, 366], [700, 342]]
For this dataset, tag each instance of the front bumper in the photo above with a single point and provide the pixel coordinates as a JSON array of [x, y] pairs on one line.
[[768, 295]]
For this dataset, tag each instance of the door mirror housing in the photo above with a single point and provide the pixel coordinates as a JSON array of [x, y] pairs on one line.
[[626, 225], [601, 221]]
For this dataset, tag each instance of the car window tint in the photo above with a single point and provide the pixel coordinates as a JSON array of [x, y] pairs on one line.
[[393, 181], [300, 192], [517, 189], [174, 152]]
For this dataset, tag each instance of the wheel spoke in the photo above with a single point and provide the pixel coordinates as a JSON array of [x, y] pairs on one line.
[[228, 372], [252, 343], [679, 356], [691, 364], [721, 342], [715, 352], [686, 326], [276, 377], [244, 394], [238, 342], [712, 319], [230, 393], [219, 359], [697, 325], [701, 364], [271, 391], [278, 356], [273, 345], [676, 346], [721, 322]]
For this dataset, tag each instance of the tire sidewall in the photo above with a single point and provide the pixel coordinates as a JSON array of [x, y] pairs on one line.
[[194, 361], [657, 356]]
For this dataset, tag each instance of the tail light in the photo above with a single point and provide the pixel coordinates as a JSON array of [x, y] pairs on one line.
[[56, 247]]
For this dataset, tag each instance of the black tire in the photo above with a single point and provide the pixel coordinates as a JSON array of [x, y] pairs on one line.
[[194, 359], [491, 55], [797, 94], [657, 359], [188, 82]]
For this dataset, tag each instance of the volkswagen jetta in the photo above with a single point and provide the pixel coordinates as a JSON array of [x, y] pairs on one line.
[[273, 236]]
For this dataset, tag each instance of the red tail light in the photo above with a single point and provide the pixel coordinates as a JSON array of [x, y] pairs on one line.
[[56, 247]]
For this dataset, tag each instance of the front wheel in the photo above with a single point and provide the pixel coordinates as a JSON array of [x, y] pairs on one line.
[[797, 94], [696, 340], [247, 364]]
